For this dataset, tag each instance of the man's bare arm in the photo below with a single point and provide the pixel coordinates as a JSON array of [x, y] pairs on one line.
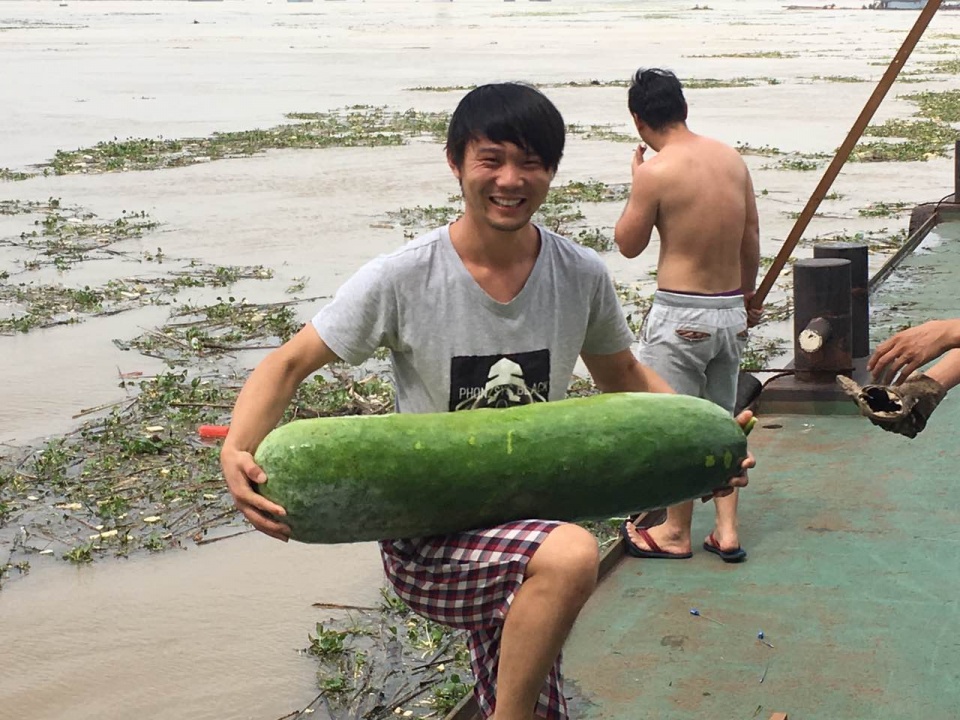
[[622, 372], [259, 407], [632, 233], [750, 244], [947, 370], [898, 356], [750, 253]]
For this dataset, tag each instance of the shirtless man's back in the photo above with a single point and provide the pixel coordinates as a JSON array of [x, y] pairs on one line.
[[698, 193]]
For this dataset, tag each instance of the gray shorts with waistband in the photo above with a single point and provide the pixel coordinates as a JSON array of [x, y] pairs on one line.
[[695, 342]]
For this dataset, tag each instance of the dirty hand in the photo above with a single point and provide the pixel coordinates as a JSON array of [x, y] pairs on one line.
[[243, 475], [900, 355], [903, 408], [741, 480]]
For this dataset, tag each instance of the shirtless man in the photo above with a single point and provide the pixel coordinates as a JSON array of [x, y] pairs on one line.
[[698, 193]]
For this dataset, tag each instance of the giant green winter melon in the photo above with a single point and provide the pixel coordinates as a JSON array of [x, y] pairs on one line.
[[347, 479]]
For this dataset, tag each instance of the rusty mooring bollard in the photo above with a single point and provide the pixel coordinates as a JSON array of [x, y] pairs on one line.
[[823, 335], [857, 254]]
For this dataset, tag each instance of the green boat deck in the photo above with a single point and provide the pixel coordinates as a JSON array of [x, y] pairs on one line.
[[853, 570]]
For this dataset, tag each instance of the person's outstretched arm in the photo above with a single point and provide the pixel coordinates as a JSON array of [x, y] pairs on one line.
[[898, 356], [947, 371]]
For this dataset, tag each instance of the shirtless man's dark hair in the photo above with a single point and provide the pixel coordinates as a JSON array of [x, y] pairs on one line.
[[656, 97]]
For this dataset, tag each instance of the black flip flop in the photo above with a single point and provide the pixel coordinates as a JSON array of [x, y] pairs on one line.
[[728, 556]]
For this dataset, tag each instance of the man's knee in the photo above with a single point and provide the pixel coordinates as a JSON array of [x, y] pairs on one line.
[[571, 557]]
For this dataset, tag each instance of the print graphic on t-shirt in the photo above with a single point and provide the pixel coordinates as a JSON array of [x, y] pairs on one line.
[[499, 380]]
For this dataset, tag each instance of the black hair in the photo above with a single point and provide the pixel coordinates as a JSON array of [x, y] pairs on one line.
[[656, 97], [508, 112]]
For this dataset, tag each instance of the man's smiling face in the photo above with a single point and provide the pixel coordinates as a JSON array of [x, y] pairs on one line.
[[503, 185]]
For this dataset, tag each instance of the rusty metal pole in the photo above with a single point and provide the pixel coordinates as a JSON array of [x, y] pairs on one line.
[[823, 335], [857, 254], [843, 152]]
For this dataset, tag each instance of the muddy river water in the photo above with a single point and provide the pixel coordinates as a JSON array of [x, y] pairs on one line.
[[213, 631]]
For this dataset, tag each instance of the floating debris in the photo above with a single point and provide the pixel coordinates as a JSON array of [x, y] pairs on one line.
[[697, 613]]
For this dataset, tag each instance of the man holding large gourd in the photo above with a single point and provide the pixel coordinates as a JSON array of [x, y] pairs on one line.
[[489, 311]]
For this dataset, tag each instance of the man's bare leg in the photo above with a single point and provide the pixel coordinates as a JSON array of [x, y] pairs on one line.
[[726, 532], [673, 535], [560, 577]]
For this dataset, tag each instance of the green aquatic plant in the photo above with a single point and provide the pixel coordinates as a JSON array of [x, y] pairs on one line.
[[710, 83], [601, 132], [917, 140], [420, 218], [6, 174], [883, 209], [761, 54], [756, 357], [797, 161], [943, 106], [763, 150], [688, 83], [945, 67], [837, 78], [589, 191], [440, 88], [355, 126]]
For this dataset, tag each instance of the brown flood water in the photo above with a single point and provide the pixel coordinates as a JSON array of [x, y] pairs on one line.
[[213, 631], [206, 634]]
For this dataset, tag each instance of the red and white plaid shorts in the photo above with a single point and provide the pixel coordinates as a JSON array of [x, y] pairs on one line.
[[468, 581]]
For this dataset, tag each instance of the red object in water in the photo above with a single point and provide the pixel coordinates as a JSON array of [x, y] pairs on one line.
[[213, 431]]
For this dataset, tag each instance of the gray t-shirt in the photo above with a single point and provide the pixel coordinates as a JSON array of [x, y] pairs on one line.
[[454, 347]]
